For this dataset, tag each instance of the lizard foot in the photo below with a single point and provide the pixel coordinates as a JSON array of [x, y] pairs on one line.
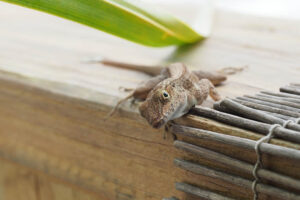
[[231, 70], [214, 94], [123, 89], [115, 109], [134, 102], [167, 132]]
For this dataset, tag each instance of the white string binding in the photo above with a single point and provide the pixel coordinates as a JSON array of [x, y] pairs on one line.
[[287, 122], [258, 163]]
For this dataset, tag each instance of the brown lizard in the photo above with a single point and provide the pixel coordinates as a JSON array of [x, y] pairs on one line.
[[171, 92]]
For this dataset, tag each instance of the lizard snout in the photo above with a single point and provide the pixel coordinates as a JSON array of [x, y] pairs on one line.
[[151, 114]]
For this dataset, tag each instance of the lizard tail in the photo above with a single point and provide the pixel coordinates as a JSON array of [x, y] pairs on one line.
[[150, 70], [115, 109]]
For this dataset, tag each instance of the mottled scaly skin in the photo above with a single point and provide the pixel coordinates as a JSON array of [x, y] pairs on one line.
[[174, 96], [171, 92]]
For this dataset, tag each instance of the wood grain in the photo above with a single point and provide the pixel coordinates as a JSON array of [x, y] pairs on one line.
[[52, 104], [67, 138], [19, 182]]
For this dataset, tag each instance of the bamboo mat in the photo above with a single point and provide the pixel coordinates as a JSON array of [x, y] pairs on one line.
[[270, 115]]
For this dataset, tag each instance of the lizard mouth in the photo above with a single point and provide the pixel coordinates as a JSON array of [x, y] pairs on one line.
[[158, 123]]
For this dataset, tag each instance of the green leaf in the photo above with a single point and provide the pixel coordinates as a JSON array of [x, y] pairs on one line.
[[127, 19]]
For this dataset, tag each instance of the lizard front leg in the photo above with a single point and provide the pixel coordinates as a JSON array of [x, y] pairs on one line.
[[215, 78], [205, 88], [140, 93], [218, 77]]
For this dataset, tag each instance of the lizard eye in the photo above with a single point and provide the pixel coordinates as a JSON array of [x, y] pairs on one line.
[[165, 94]]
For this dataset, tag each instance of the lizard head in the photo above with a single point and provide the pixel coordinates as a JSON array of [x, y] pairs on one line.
[[165, 102]]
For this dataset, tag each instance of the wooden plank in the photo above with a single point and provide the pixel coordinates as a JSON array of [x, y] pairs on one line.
[[52, 104], [19, 182], [67, 138]]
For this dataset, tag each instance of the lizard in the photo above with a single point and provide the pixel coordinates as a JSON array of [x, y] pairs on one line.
[[171, 92]]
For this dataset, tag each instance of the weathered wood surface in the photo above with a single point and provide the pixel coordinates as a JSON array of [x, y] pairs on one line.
[[52, 105], [120, 157], [19, 182]]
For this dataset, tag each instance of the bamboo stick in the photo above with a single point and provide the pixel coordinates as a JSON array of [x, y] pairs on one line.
[[243, 166], [289, 89], [258, 115], [275, 101], [295, 84], [289, 99], [277, 104], [281, 94], [235, 141], [255, 104], [284, 117], [262, 188], [226, 129], [246, 123], [199, 192], [218, 107]]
